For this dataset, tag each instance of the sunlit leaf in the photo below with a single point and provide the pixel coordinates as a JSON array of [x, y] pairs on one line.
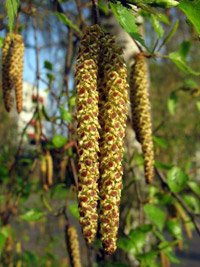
[[32, 215], [59, 141], [192, 11], [126, 19], [177, 179], [155, 214]]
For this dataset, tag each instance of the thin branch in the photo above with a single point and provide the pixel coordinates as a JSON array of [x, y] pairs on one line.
[[95, 12], [191, 214]]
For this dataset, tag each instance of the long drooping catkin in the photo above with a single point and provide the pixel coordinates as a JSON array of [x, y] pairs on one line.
[[16, 68], [141, 117], [88, 130], [6, 82], [73, 243], [112, 117]]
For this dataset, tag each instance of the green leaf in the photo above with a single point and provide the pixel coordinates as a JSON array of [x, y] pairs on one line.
[[195, 187], [174, 228], [179, 58], [172, 102], [165, 3], [192, 11], [160, 141], [11, 10], [2, 241], [162, 166], [148, 259], [1, 41], [156, 215], [157, 26], [138, 237], [72, 101], [59, 191], [48, 65], [73, 209], [5, 231], [65, 114], [193, 203], [176, 179], [59, 140], [68, 22], [33, 215], [126, 19], [126, 244], [170, 34], [103, 7]]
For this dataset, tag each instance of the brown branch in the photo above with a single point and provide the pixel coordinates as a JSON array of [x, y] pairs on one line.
[[95, 12], [190, 213]]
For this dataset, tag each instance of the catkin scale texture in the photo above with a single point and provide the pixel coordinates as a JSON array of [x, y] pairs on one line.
[[112, 116], [73, 242], [6, 82], [88, 130], [16, 68], [141, 115]]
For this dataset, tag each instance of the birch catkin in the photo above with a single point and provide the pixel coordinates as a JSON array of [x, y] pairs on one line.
[[88, 130], [16, 69], [6, 82], [141, 117], [72, 240], [113, 113]]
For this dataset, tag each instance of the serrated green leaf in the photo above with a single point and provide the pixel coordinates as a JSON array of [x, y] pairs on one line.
[[192, 11], [179, 58], [176, 179], [59, 141], [157, 26], [126, 19], [156, 215], [33, 215], [172, 103]]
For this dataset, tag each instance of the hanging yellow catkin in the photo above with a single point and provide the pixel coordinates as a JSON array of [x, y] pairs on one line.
[[88, 129], [6, 82], [49, 169], [141, 117], [16, 69], [113, 113], [72, 240]]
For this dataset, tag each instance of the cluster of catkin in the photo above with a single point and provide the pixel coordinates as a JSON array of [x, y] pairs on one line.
[[141, 117], [12, 70], [101, 82]]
